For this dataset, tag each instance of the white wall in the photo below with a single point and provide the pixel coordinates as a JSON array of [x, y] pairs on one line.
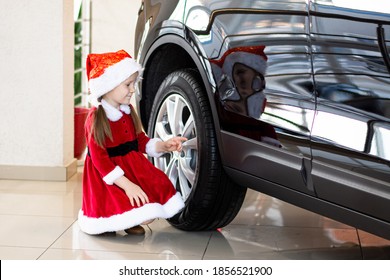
[[36, 89], [36, 84], [113, 25]]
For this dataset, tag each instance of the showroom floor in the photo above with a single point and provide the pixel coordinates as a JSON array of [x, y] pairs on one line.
[[39, 221]]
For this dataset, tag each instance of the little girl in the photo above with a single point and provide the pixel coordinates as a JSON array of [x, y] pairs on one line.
[[121, 188]]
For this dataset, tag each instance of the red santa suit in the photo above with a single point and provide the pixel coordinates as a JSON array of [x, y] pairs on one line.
[[105, 206]]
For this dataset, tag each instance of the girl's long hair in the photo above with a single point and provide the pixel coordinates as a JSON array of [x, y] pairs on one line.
[[101, 127]]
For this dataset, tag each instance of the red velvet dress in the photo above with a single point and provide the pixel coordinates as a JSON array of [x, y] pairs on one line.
[[105, 206]]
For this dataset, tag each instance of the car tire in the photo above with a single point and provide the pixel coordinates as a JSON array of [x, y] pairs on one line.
[[181, 107]]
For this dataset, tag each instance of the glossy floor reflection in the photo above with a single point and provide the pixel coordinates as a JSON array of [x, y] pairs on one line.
[[39, 221]]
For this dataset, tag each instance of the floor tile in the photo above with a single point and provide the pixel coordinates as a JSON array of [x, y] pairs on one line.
[[39, 221], [374, 247], [74, 184], [261, 209], [20, 253], [160, 238], [55, 204], [258, 242], [69, 254], [32, 231]]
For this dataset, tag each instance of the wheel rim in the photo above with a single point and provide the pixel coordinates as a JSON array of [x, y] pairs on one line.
[[175, 118]]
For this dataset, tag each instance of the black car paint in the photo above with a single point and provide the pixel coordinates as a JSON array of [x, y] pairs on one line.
[[327, 77]]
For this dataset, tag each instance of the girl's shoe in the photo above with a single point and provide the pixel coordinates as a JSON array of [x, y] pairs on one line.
[[107, 233], [137, 230]]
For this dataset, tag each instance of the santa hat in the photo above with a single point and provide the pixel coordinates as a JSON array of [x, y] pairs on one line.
[[252, 56], [105, 71]]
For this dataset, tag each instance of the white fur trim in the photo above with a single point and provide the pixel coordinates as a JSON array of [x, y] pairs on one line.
[[255, 104], [151, 147], [125, 109], [131, 218], [115, 174], [112, 77], [112, 113], [255, 61]]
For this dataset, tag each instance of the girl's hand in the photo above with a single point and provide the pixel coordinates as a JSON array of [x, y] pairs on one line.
[[135, 194], [174, 144]]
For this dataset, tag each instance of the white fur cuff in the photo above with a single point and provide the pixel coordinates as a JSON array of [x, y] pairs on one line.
[[151, 147], [115, 174]]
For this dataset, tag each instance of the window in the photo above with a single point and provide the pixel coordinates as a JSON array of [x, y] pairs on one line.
[[82, 21]]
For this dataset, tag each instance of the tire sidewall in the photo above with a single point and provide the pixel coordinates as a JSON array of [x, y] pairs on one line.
[[214, 199]]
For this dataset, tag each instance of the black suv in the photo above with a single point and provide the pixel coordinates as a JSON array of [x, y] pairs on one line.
[[290, 98]]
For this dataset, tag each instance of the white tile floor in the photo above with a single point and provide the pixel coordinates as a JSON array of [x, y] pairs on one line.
[[39, 221]]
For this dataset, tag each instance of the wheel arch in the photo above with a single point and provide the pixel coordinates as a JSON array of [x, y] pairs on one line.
[[171, 52]]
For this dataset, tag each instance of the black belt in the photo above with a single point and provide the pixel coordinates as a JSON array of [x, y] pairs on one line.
[[122, 149]]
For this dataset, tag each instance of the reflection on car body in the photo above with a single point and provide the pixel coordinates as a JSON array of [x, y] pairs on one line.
[[240, 98], [290, 98]]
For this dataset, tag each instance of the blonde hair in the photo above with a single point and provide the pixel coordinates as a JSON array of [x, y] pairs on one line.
[[101, 127]]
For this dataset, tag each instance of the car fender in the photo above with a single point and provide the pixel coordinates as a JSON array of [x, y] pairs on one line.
[[175, 33]]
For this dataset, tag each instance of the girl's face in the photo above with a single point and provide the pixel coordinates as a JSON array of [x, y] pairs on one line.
[[247, 80], [122, 93]]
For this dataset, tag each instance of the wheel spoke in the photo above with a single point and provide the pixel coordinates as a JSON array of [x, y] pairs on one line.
[[161, 132], [188, 127], [191, 144], [185, 189], [172, 172], [174, 110], [186, 171]]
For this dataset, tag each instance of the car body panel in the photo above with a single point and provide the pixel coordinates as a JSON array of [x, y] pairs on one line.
[[316, 134], [284, 124], [351, 159]]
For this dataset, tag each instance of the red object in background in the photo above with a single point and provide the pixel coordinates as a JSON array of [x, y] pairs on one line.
[[80, 115]]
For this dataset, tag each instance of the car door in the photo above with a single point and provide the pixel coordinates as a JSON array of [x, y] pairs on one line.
[[351, 130]]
